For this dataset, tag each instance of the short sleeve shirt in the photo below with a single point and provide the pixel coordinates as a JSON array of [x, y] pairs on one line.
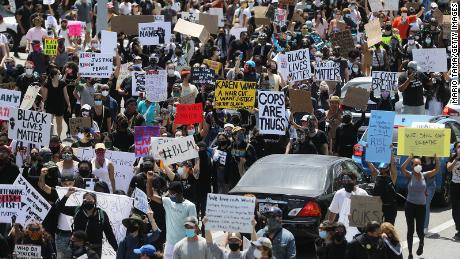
[[175, 217]]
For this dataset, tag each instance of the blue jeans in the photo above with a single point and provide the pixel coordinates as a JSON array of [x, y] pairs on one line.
[[430, 190], [63, 244]]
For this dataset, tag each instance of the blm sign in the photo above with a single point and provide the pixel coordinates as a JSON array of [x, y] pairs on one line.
[[30, 126]]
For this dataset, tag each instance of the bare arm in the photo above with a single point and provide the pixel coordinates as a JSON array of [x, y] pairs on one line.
[[41, 181], [150, 191], [404, 166], [374, 171], [393, 171], [450, 165], [112, 176], [331, 217]]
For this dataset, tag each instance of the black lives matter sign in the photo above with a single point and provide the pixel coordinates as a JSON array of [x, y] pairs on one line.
[[299, 65], [30, 126]]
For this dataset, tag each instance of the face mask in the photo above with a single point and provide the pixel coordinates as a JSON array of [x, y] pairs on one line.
[[411, 42], [132, 228], [98, 103], [404, 16], [355, 69], [29, 71], [428, 41], [105, 93], [288, 38], [180, 171], [191, 132], [88, 205], [67, 156], [257, 253], [385, 94], [190, 233], [94, 45], [171, 72], [323, 234], [273, 224], [84, 173], [352, 7], [234, 246], [418, 168], [349, 187]]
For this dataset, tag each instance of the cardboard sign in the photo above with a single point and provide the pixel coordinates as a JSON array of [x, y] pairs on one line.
[[190, 17], [50, 47], [236, 31], [220, 14], [142, 136], [122, 162], [189, 113], [380, 136], [98, 65], [108, 41], [159, 18], [446, 26], [30, 126], [424, 142], [261, 16], [141, 202], [235, 94], [414, 5], [129, 24], [344, 40], [154, 33], [192, 29], [383, 81], [77, 125], [11, 199], [431, 59], [210, 22], [438, 15], [356, 97], [156, 85], [364, 209], [286, 2], [124, 73], [427, 125], [272, 113], [35, 207], [178, 150], [74, 28], [299, 64], [373, 32], [202, 75], [300, 101], [30, 96], [137, 83], [28, 251], [327, 71], [391, 5], [230, 213]]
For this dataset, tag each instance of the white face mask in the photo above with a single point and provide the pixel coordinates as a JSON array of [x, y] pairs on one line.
[[404, 16], [355, 69], [428, 41], [29, 71], [418, 168], [257, 253], [105, 93], [191, 132], [171, 72], [251, 5], [411, 42], [95, 45]]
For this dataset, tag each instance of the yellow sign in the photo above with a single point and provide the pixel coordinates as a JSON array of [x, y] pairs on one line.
[[214, 65], [51, 46], [235, 94], [424, 142]]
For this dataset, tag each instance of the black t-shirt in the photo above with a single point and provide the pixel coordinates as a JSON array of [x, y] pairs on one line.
[[413, 95], [319, 140], [311, 145], [139, 181], [242, 46], [9, 173], [24, 81]]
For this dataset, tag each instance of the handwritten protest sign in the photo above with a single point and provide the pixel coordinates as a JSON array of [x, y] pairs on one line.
[[431, 59], [30, 126], [424, 142], [108, 41], [122, 162], [154, 33], [375, 5], [156, 84], [391, 5], [380, 136], [124, 73], [373, 32], [35, 207], [189, 113], [191, 17], [220, 14], [299, 64], [138, 83], [383, 81], [29, 97], [51, 46], [177, 150], [281, 16], [156, 143], [77, 125], [98, 65], [214, 65], [364, 209], [427, 125], [142, 136], [191, 29], [140, 200], [272, 113], [74, 28], [260, 15], [300, 101], [235, 94], [11, 199], [327, 70], [356, 97], [9, 99], [344, 40], [28, 251], [230, 212], [201, 75]]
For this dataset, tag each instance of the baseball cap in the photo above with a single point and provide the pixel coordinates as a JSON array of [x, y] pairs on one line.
[[145, 249], [191, 221], [229, 125], [334, 98], [86, 107], [263, 241], [274, 211], [251, 63], [99, 146], [234, 235]]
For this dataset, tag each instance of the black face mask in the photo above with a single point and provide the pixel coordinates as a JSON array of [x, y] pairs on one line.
[[234, 246], [132, 228], [88, 206], [84, 173], [349, 187], [55, 150], [339, 237]]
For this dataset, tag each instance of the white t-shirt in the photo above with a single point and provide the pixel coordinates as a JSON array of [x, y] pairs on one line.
[[175, 218], [125, 8], [281, 61], [35, 33], [190, 89]]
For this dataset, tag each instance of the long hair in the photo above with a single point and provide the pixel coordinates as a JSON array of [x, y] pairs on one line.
[[388, 228]]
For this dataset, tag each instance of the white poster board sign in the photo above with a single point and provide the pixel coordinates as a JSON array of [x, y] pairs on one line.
[[156, 143], [230, 213], [29, 97], [11, 199], [272, 113], [327, 71], [35, 207], [156, 84], [391, 5], [431, 60], [141, 202], [383, 81], [28, 251], [108, 42], [30, 126], [8, 99], [154, 33], [137, 82], [220, 13], [97, 65], [427, 125], [178, 150], [298, 62]]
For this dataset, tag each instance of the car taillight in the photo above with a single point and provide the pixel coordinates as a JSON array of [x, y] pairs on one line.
[[449, 111], [310, 209], [358, 150]]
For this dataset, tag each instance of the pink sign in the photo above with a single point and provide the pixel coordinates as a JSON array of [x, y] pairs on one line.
[[74, 28]]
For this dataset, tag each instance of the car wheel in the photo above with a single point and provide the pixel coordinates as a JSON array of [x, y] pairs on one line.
[[442, 198], [10, 34]]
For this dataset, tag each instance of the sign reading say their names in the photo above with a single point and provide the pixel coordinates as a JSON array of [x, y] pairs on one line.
[[380, 136], [230, 213], [178, 150], [235, 94], [383, 81], [424, 142], [364, 209], [327, 71], [142, 137], [141, 201], [299, 64], [30, 126], [35, 207], [154, 33], [11, 199], [97, 65], [28, 251], [431, 59], [272, 113]]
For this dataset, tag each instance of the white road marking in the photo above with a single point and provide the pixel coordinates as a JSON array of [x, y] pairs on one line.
[[432, 231]]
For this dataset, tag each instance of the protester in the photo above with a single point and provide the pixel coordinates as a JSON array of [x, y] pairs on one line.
[[192, 245], [80, 246], [368, 244], [454, 167], [392, 241]]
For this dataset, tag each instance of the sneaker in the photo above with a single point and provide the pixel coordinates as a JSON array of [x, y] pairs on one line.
[[420, 249], [457, 236], [425, 231]]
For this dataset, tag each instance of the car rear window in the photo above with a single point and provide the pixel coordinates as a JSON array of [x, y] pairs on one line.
[[305, 177]]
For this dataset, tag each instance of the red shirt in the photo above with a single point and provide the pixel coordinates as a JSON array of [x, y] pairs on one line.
[[404, 27]]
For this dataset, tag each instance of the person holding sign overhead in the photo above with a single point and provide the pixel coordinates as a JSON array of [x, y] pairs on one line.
[[411, 84], [416, 199]]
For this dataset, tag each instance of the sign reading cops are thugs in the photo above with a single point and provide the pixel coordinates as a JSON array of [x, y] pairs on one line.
[[272, 113], [30, 126], [299, 64], [384, 81]]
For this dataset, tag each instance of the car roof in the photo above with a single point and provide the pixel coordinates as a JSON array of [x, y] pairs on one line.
[[299, 159]]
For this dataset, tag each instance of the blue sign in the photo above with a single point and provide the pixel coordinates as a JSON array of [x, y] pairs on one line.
[[380, 136]]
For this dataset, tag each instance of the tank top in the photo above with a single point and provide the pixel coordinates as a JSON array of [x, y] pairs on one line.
[[102, 172], [416, 191]]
